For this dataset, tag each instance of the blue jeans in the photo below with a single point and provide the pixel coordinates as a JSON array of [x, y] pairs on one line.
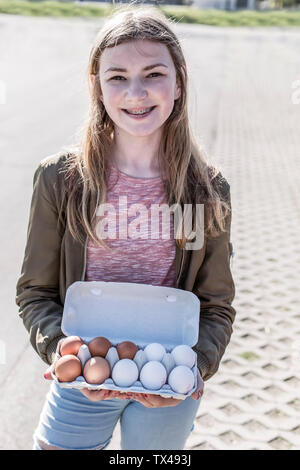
[[69, 420]]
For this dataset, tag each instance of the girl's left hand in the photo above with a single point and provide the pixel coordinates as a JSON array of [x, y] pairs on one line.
[[156, 401]]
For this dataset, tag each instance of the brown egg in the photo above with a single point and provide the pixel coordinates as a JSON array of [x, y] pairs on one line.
[[96, 370], [67, 368], [127, 350], [99, 346], [70, 345]]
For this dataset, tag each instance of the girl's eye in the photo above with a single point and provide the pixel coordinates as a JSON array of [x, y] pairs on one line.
[[156, 73], [119, 76]]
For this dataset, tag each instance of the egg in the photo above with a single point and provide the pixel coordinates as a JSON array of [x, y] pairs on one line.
[[67, 368], [125, 373], [181, 379], [96, 370], [127, 350], [184, 355], [154, 352], [70, 345], [153, 375], [99, 346]]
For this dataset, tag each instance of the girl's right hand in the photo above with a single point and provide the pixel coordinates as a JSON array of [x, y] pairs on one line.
[[47, 373]]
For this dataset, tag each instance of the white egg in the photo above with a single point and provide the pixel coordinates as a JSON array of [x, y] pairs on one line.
[[154, 351], [153, 375], [112, 357], [125, 373], [181, 379], [168, 362], [184, 355]]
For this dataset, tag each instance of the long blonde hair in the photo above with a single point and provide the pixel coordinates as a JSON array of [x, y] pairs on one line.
[[188, 177]]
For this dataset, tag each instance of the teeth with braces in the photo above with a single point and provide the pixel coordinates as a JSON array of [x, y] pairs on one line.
[[143, 111]]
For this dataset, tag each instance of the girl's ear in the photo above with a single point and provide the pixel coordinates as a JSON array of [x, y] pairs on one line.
[[177, 91], [178, 88]]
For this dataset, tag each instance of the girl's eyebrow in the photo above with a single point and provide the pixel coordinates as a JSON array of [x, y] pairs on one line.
[[148, 67]]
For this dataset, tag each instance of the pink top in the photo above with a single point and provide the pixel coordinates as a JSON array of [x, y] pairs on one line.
[[149, 259]]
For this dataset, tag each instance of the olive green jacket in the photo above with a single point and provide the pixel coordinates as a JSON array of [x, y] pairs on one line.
[[53, 260]]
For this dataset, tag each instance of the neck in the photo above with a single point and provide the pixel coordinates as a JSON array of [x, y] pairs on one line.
[[140, 158]]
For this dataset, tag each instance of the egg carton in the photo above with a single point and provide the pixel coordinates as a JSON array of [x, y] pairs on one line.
[[141, 313], [112, 357]]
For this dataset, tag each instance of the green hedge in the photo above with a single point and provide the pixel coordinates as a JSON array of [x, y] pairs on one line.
[[182, 14]]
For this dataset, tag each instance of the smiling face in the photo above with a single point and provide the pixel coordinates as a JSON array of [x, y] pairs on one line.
[[137, 85]]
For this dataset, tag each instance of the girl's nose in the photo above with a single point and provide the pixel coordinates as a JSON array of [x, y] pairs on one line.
[[136, 90]]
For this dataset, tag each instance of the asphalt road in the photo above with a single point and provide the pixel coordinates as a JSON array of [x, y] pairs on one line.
[[42, 66]]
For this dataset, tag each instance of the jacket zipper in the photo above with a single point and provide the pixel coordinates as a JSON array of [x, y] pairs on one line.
[[84, 260]]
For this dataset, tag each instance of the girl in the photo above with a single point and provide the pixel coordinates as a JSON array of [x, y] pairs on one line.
[[137, 143]]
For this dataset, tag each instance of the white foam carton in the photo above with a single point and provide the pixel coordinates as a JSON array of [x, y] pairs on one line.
[[141, 313]]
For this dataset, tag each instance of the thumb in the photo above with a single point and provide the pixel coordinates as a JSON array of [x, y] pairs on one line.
[[47, 373], [200, 386]]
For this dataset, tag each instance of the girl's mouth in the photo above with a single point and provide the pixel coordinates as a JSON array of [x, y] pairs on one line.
[[139, 115]]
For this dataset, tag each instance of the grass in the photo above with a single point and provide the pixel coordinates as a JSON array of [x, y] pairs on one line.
[[53, 8], [181, 14], [249, 356], [237, 18]]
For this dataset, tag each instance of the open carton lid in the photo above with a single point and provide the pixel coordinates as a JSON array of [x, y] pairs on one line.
[[122, 311]]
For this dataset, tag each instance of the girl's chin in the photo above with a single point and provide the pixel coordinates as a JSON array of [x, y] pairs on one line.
[[143, 131], [141, 134]]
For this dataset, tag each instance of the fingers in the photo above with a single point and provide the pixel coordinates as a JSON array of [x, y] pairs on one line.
[[200, 387], [97, 395], [47, 373], [141, 398], [119, 395], [94, 395], [59, 344], [197, 394], [154, 401]]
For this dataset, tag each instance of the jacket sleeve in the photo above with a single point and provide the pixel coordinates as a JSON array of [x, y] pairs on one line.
[[215, 289], [37, 291]]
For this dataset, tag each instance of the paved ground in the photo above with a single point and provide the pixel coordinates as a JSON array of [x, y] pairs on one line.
[[243, 113]]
